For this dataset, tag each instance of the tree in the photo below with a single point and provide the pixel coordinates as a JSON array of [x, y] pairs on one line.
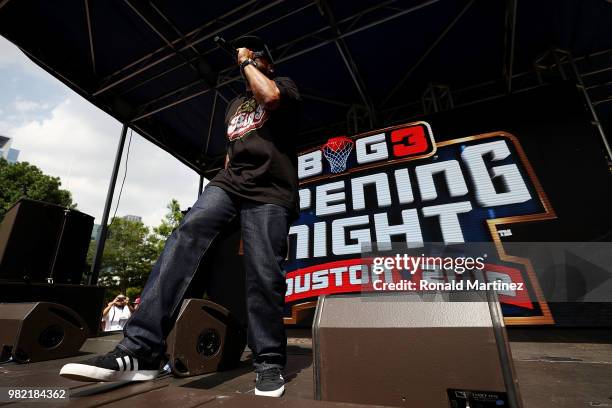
[[21, 180], [131, 250], [128, 255], [170, 221]]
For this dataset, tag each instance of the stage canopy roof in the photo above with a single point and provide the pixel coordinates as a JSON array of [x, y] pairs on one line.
[[359, 64]]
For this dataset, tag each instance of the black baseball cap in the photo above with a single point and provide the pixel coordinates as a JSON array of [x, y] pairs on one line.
[[255, 44]]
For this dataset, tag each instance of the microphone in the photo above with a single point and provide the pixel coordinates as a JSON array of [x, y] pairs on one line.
[[224, 45]]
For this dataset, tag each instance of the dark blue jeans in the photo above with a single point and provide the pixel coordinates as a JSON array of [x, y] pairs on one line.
[[264, 234]]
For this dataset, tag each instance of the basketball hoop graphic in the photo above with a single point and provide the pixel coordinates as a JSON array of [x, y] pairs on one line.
[[336, 151]]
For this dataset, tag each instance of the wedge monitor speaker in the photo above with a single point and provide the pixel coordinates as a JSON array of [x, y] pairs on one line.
[[411, 350], [205, 338], [39, 331]]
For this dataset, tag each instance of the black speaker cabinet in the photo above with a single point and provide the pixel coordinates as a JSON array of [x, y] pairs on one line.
[[205, 338], [39, 240], [75, 236], [413, 350], [39, 331], [28, 240]]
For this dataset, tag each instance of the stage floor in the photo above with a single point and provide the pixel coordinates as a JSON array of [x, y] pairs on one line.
[[555, 367]]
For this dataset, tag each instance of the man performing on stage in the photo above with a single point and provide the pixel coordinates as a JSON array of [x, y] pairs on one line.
[[258, 185]]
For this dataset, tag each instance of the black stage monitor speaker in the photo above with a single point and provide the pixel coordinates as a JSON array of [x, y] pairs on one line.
[[41, 241], [205, 338], [86, 300], [39, 331], [413, 350]]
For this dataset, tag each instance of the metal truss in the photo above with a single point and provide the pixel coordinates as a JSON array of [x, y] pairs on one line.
[[443, 34], [349, 62], [509, 37], [347, 27], [437, 98], [358, 118], [561, 63], [204, 71], [90, 36], [111, 83]]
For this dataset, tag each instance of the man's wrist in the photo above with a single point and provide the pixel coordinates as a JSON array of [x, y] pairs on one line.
[[246, 63]]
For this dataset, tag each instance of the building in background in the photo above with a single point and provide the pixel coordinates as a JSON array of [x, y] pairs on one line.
[[95, 232], [133, 218], [6, 151]]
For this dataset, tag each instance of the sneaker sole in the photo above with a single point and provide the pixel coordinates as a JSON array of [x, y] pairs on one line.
[[84, 372], [274, 393]]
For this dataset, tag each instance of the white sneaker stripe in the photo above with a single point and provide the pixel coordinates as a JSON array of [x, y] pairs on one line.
[[120, 362], [135, 360], [126, 361]]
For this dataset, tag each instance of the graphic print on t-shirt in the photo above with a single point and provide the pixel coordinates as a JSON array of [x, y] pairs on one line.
[[249, 115]]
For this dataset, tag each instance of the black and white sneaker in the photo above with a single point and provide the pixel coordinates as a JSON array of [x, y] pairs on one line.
[[114, 366], [270, 383]]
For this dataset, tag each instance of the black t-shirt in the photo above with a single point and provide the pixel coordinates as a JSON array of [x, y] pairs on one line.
[[262, 148]]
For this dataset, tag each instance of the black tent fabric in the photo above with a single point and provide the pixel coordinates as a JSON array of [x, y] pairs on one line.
[[359, 64]]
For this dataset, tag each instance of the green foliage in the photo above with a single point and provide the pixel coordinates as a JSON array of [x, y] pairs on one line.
[[131, 250], [133, 293], [128, 255], [170, 221], [19, 180], [110, 293]]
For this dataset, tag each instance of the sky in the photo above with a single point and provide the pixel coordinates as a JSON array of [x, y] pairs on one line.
[[67, 137]]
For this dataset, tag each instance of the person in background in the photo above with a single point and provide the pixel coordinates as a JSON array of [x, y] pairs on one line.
[[136, 304], [117, 313]]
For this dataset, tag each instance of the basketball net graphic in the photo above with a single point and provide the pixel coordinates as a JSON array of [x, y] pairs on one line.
[[336, 151]]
